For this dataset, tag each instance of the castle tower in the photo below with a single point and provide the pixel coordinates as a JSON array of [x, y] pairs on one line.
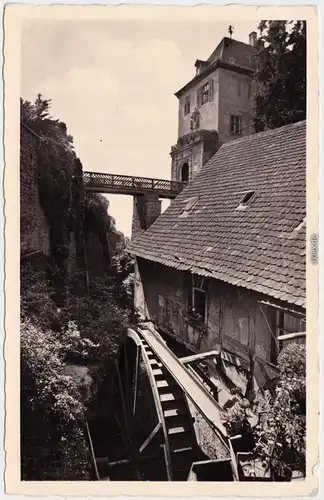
[[215, 106]]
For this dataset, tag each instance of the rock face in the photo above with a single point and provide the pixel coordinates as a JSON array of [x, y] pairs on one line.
[[39, 239], [34, 231]]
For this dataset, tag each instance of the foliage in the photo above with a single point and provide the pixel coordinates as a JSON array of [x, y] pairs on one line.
[[281, 437], [123, 265], [196, 320], [280, 77], [86, 331], [53, 445], [113, 243], [100, 319], [236, 418], [68, 326]]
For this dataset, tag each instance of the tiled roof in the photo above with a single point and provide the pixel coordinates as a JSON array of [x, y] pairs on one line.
[[260, 247]]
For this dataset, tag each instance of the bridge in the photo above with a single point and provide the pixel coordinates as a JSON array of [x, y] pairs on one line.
[[127, 184]]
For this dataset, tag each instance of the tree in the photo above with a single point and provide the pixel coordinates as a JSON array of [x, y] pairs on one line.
[[280, 76], [281, 437], [53, 445]]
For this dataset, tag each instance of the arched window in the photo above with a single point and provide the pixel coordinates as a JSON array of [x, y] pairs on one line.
[[185, 172]]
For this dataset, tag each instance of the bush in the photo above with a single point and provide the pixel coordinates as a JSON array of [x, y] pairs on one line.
[[52, 442], [281, 437], [101, 320]]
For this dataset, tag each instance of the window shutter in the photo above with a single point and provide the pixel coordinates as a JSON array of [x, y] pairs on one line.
[[198, 98], [211, 90]]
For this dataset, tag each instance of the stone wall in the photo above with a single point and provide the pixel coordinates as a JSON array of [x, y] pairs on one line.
[[146, 209], [233, 315], [193, 155], [194, 150], [34, 231]]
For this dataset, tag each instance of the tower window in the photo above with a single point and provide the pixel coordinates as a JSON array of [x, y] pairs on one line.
[[187, 105], [236, 125], [205, 93]]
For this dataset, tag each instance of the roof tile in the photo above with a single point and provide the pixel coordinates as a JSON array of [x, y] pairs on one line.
[[252, 248]]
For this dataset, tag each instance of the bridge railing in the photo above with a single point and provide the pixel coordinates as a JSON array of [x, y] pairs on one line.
[[131, 183]]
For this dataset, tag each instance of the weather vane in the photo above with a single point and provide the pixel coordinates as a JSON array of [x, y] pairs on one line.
[[231, 30]]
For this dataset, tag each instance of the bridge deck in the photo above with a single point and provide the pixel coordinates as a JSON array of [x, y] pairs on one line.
[[127, 184]]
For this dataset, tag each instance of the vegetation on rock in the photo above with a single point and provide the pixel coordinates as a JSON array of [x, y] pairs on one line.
[[64, 323]]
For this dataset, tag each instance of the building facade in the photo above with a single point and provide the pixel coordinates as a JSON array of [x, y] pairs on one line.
[[224, 266], [215, 106]]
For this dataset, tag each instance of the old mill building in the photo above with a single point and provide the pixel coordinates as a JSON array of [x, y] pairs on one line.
[[223, 268]]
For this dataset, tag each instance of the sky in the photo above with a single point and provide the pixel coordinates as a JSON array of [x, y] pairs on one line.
[[113, 82]]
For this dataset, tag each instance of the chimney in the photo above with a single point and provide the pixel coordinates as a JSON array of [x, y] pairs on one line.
[[253, 39]]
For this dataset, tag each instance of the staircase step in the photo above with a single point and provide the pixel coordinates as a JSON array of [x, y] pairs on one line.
[[183, 458], [154, 362], [170, 394], [178, 424], [167, 384], [175, 412], [157, 372], [181, 440], [172, 403]]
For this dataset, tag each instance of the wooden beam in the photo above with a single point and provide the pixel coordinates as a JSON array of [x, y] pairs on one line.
[[136, 379], [289, 336], [199, 357], [122, 396], [93, 457], [127, 381], [150, 437]]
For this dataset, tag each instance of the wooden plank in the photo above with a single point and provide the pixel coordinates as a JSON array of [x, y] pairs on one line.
[[199, 357], [147, 441]]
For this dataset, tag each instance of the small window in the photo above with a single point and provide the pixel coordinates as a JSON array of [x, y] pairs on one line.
[[236, 125], [187, 105], [197, 298], [199, 302], [191, 202], [205, 93], [248, 195]]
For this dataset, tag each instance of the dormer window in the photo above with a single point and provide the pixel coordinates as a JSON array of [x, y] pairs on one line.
[[187, 105], [247, 196]]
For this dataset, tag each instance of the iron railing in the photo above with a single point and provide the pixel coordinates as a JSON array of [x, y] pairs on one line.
[[126, 184]]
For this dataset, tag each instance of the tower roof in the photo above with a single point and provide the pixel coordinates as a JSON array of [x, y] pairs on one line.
[[230, 54]]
